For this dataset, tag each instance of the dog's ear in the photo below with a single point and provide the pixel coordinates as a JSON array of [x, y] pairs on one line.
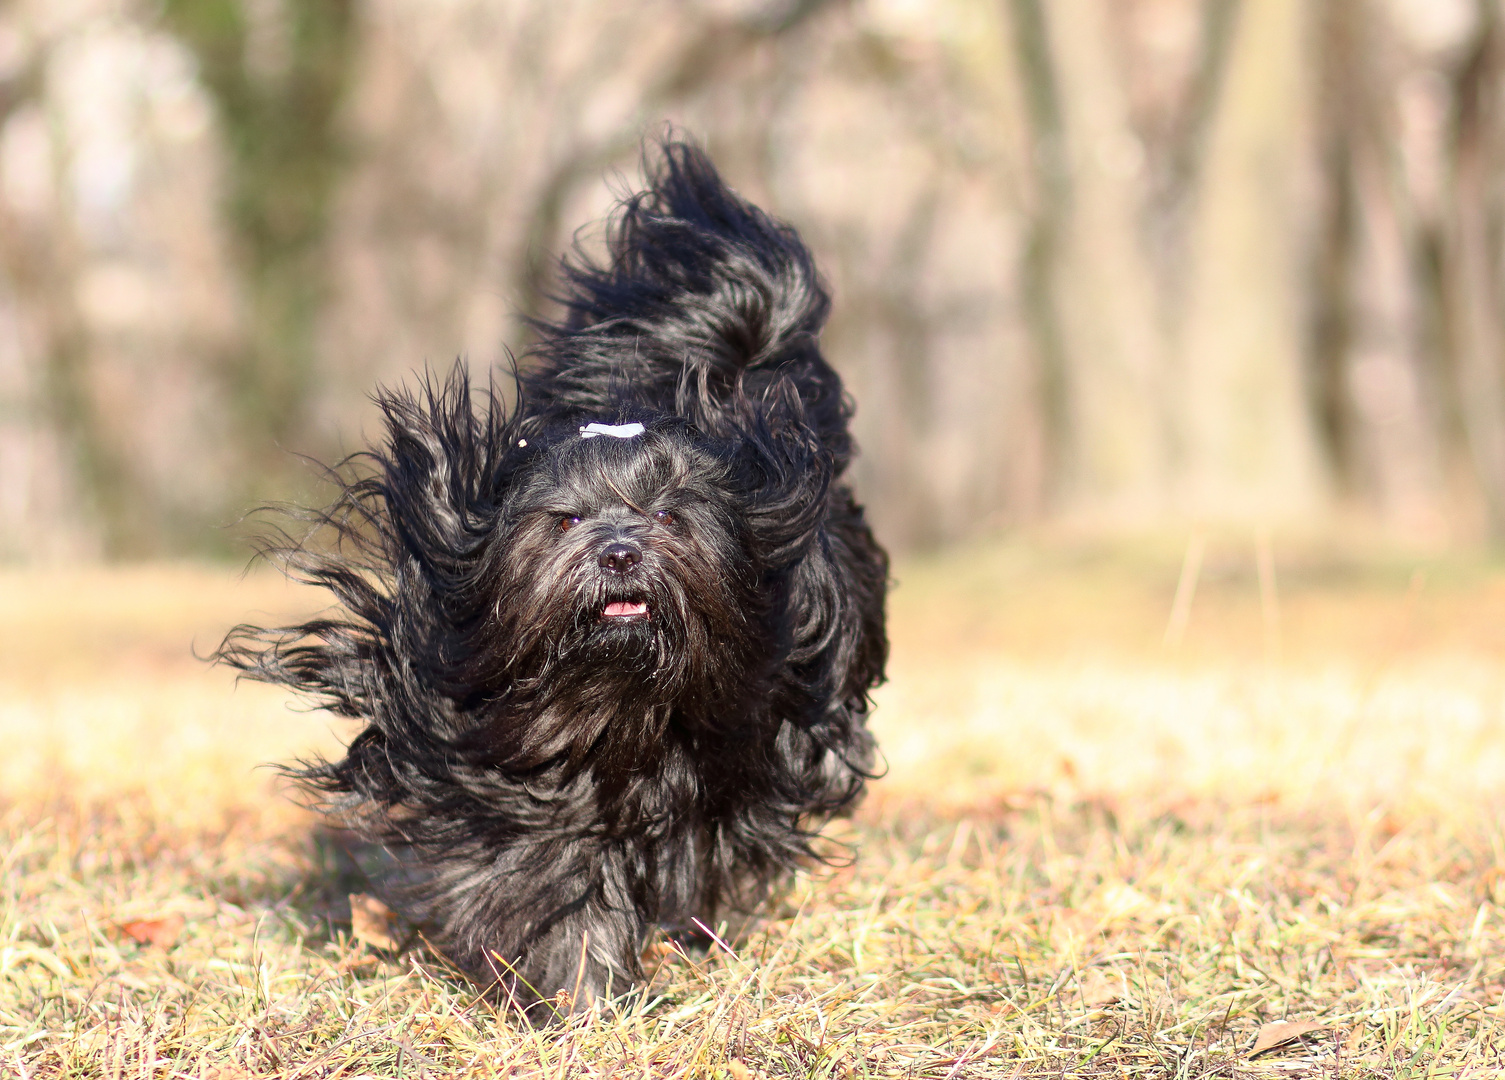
[[442, 468], [399, 547], [788, 473]]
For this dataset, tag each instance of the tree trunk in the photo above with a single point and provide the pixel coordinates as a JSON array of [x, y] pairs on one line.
[[1094, 287], [1246, 442]]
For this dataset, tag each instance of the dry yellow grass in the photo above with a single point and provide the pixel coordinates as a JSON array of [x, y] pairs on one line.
[[1094, 855]]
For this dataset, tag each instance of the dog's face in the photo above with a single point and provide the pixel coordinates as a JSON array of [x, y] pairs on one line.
[[624, 586], [634, 539]]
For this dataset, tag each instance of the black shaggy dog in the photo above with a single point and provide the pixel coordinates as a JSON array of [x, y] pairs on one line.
[[611, 647]]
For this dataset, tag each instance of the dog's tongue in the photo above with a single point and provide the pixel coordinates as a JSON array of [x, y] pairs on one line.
[[622, 608]]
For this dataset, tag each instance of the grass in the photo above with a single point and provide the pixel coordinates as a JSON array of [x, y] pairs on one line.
[[1094, 854]]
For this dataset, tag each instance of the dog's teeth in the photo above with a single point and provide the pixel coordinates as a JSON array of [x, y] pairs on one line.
[[622, 608]]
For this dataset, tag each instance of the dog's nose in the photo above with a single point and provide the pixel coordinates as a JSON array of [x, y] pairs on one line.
[[620, 558]]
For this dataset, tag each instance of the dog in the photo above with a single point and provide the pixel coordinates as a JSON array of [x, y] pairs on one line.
[[610, 645]]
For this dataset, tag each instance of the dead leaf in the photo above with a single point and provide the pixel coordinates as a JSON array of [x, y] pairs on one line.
[[373, 922], [163, 932], [1103, 988], [657, 953], [738, 1071], [1280, 1032]]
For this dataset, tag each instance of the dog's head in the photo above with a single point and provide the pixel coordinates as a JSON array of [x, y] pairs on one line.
[[623, 553], [523, 590], [630, 584]]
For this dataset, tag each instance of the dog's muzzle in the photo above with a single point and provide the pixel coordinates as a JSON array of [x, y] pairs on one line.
[[620, 560]]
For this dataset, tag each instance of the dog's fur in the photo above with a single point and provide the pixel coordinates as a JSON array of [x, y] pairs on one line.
[[558, 780]]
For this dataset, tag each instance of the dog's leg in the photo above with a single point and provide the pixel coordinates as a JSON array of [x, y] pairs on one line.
[[581, 961], [555, 942]]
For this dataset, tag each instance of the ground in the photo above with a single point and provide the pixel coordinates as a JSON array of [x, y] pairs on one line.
[[1110, 843]]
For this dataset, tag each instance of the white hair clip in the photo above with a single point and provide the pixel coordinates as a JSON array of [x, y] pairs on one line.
[[616, 431]]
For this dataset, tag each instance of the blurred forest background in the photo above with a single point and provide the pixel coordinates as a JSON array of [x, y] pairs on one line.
[[1118, 263]]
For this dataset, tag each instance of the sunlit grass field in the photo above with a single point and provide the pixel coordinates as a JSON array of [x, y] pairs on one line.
[[1112, 841]]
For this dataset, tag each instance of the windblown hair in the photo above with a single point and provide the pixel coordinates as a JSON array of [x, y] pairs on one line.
[[616, 682]]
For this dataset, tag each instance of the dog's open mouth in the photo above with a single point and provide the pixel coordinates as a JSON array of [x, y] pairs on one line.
[[625, 611]]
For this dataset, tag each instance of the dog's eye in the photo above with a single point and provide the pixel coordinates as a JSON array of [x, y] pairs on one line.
[[568, 522], [663, 517]]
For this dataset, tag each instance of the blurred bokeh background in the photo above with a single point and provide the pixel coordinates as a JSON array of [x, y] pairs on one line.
[[1117, 263]]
